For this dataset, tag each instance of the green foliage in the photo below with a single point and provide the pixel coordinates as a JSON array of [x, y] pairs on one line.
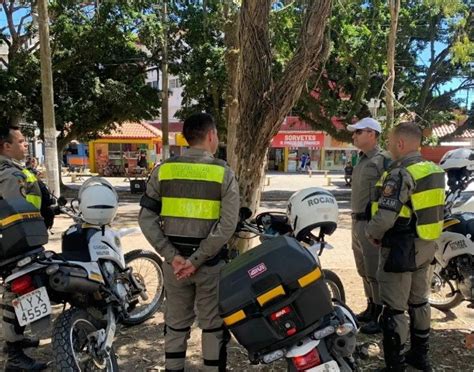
[[356, 67], [98, 71]]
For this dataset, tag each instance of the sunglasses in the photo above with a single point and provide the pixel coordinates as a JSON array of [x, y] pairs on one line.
[[359, 131]]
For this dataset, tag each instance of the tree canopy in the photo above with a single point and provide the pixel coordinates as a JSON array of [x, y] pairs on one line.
[[98, 70]]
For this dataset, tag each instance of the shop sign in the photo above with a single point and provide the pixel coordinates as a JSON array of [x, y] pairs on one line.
[[298, 139]]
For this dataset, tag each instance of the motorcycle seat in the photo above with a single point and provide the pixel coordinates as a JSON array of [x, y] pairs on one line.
[[11, 260]]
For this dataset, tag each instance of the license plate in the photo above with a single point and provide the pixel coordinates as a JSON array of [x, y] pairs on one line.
[[326, 367], [32, 306]]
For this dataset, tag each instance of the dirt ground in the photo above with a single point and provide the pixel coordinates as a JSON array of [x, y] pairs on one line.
[[141, 348]]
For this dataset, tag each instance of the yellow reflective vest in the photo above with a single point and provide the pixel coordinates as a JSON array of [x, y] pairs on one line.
[[31, 197], [190, 196], [426, 201]]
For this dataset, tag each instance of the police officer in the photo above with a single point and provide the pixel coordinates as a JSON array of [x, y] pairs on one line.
[[407, 219], [373, 162], [189, 212], [16, 182]]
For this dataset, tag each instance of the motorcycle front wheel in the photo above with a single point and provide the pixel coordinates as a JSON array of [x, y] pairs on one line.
[[444, 293], [74, 345], [334, 284], [146, 268]]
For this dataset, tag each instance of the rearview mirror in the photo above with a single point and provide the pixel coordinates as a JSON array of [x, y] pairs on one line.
[[62, 201], [245, 213]]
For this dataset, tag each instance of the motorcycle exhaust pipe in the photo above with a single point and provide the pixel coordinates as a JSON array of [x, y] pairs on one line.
[[65, 282]]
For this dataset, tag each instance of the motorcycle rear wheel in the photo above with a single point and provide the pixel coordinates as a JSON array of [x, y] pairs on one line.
[[444, 294], [335, 286], [146, 267], [71, 348]]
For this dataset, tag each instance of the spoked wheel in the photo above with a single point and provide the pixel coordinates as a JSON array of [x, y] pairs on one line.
[[334, 285], [146, 268], [444, 292], [75, 346]]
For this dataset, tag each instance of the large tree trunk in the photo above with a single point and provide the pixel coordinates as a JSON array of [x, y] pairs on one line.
[[262, 103], [392, 38]]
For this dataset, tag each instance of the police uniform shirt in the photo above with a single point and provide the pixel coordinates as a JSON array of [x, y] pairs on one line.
[[364, 177], [13, 182]]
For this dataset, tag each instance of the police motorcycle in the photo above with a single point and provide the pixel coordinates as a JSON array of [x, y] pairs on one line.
[[91, 274], [274, 299], [453, 276]]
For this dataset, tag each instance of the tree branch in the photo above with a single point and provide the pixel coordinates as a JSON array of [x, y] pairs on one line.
[[4, 62], [313, 47], [22, 19], [9, 14], [5, 39], [34, 47]]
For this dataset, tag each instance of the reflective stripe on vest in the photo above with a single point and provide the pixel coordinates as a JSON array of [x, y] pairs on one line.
[[191, 196], [427, 200], [32, 198]]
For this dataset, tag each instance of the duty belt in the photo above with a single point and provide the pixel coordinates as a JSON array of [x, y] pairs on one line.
[[359, 216]]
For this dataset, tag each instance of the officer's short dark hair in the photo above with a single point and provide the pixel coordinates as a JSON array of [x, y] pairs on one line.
[[409, 129], [197, 126], [6, 133]]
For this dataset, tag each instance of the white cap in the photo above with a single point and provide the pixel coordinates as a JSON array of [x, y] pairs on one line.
[[365, 123]]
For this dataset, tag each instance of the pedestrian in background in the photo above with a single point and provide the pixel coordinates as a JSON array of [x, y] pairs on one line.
[[189, 212], [407, 219], [372, 163], [348, 169]]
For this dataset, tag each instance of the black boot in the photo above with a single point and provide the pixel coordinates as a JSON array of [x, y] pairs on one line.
[[417, 356], [17, 360], [366, 315], [23, 344], [392, 346], [373, 327]]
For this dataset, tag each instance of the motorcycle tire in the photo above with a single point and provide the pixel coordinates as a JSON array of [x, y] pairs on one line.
[[335, 286], [145, 312], [69, 343], [449, 302]]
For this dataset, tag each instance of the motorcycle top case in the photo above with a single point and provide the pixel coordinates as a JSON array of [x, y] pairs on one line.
[[273, 295], [21, 227]]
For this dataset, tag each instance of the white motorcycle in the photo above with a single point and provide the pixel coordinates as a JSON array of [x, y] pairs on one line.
[[275, 299], [453, 274], [103, 287]]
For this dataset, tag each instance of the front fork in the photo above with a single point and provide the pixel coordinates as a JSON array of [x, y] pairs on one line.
[[104, 338]]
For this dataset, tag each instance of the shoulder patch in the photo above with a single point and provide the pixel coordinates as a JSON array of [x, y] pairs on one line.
[[390, 188]]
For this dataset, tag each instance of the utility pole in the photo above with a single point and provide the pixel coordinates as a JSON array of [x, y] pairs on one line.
[[394, 6], [164, 85], [50, 144]]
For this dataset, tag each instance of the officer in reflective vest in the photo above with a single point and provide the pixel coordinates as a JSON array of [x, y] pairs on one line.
[[406, 221], [15, 181], [189, 212]]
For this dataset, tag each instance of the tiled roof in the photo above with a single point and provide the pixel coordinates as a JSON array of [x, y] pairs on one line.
[[446, 129], [173, 126], [134, 130]]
